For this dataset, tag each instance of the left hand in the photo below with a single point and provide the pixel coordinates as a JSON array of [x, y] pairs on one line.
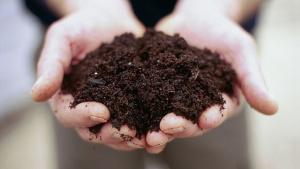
[[67, 42], [207, 26]]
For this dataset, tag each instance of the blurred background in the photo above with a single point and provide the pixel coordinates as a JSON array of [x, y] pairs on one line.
[[27, 138]]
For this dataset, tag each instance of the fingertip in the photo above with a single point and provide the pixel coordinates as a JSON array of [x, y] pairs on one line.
[[113, 135], [155, 150], [172, 123], [167, 24], [260, 99], [44, 89], [178, 126], [86, 114], [266, 105], [157, 138], [55, 59], [272, 107], [86, 135], [211, 117], [137, 142], [140, 30], [122, 147], [95, 111], [254, 88]]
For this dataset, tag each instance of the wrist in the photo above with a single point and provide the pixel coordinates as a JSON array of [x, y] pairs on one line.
[[207, 8], [231, 8], [240, 10], [65, 7], [235, 10]]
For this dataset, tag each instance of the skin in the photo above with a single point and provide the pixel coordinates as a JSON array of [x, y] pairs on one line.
[[212, 27], [209, 25]]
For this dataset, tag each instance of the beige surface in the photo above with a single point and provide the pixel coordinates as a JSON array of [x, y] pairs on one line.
[[29, 142], [275, 140]]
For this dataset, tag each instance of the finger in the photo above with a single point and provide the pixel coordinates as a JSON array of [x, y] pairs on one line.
[[104, 138], [178, 127], [107, 135], [122, 147], [85, 114], [250, 78], [167, 24], [111, 135], [155, 150], [93, 138], [232, 40], [54, 61], [137, 143], [157, 138], [134, 26], [86, 135], [214, 116]]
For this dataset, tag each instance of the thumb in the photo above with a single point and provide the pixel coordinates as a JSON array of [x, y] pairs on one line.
[[251, 80], [54, 61], [167, 24]]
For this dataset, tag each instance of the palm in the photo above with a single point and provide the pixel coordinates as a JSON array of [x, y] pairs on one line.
[[84, 31], [235, 45]]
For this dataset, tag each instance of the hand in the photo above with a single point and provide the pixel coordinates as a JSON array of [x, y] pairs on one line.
[[204, 24], [67, 42]]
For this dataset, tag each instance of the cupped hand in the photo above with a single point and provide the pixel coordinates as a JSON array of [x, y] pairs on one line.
[[204, 25], [67, 42]]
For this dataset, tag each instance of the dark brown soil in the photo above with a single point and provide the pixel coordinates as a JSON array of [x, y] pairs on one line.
[[141, 80]]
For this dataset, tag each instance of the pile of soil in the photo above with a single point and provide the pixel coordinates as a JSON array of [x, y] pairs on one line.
[[141, 80]]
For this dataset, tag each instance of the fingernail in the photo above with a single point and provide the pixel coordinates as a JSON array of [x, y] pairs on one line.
[[175, 130], [161, 144], [98, 119], [166, 141], [38, 81], [122, 137], [117, 136], [133, 145]]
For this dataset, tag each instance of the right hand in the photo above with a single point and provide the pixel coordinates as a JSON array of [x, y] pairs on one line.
[[67, 42], [204, 24]]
